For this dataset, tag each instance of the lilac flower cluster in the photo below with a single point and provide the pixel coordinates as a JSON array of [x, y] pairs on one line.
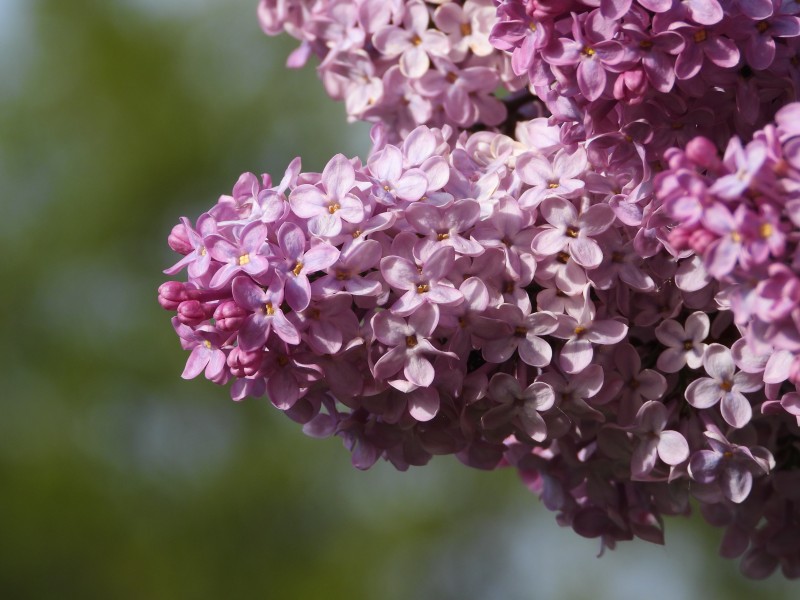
[[711, 67], [401, 63], [524, 291]]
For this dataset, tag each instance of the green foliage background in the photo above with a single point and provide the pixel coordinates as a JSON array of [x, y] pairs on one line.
[[118, 479]]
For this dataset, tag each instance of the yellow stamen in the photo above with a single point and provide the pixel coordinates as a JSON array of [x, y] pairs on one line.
[[700, 35], [342, 275], [422, 288], [334, 207], [736, 236], [562, 257], [451, 77], [203, 251], [466, 29], [520, 331], [269, 309], [443, 236], [572, 232], [411, 341], [553, 185], [244, 259], [579, 330], [588, 51], [297, 268], [416, 40], [765, 230], [726, 386], [207, 344]]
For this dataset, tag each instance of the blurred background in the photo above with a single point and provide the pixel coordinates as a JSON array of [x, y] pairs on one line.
[[120, 480]]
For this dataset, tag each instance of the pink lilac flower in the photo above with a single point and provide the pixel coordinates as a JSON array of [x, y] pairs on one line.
[[347, 273], [408, 345], [519, 407], [241, 255], [655, 441], [591, 49], [526, 337], [328, 207], [559, 178], [684, 343], [414, 43], [425, 284], [266, 314], [581, 333], [725, 385], [729, 466], [567, 230], [207, 355], [295, 262]]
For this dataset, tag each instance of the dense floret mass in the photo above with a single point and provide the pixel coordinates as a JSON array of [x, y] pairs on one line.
[[592, 277]]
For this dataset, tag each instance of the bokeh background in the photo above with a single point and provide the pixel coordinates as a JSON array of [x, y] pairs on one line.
[[118, 479]]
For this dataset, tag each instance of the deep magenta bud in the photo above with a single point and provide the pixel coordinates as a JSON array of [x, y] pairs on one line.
[[171, 294], [192, 312], [244, 364], [178, 240], [703, 152], [229, 316]]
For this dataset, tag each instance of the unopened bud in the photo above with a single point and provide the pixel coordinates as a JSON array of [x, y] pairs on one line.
[[703, 153], [229, 316], [192, 312], [178, 240], [171, 294]]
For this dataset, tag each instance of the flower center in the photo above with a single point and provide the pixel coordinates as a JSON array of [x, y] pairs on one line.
[[422, 288], [587, 51], [269, 309], [297, 269], [562, 257], [552, 185], [688, 345], [645, 44], [451, 77], [443, 236], [244, 259], [700, 35], [466, 29], [726, 385], [411, 341], [334, 207], [342, 275], [520, 331], [416, 40], [765, 230], [203, 251], [207, 344], [580, 330], [762, 26], [572, 232]]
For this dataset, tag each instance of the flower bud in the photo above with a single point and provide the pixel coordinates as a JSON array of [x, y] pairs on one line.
[[192, 312], [703, 153], [171, 294], [244, 364], [229, 316], [178, 240]]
